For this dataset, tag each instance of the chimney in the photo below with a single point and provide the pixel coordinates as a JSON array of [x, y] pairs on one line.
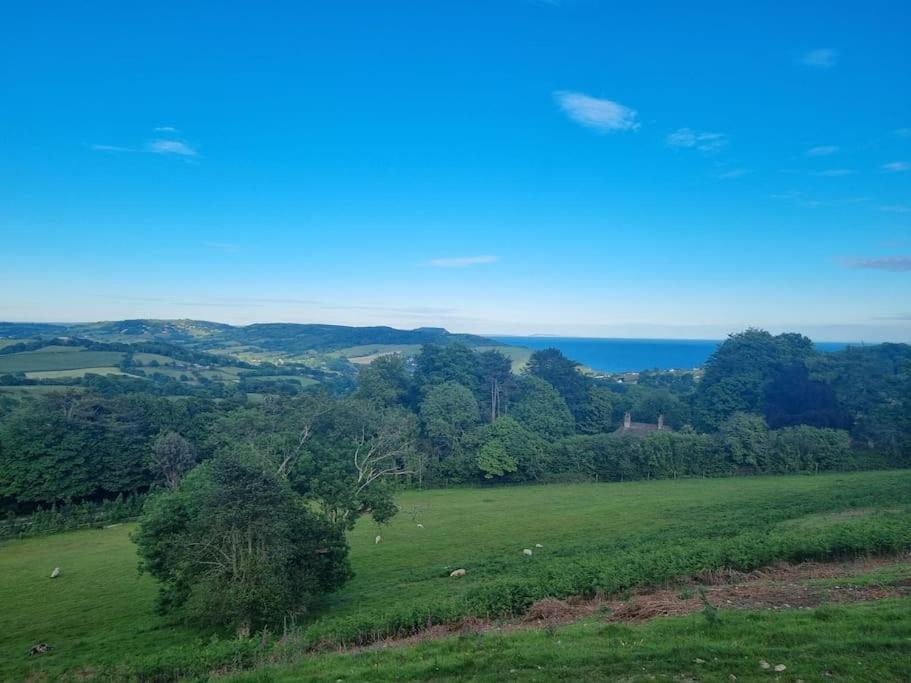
[[627, 420], [660, 422]]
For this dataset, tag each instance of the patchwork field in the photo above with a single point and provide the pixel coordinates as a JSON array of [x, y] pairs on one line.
[[79, 372], [99, 613], [57, 358]]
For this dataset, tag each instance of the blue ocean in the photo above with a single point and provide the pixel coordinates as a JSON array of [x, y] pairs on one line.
[[626, 355]]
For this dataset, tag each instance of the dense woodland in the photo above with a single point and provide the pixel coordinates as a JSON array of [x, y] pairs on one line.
[[765, 404]]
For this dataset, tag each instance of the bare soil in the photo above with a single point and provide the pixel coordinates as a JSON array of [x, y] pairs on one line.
[[783, 586]]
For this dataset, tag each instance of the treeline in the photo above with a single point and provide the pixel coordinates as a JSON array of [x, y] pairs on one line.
[[766, 404]]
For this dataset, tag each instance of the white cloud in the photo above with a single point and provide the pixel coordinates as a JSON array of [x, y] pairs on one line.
[[165, 129], [833, 172], [821, 58], [602, 115], [822, 151], [171, 147], [461, 261], [903, 132], [896, 208], [689, 138], [896, 166]]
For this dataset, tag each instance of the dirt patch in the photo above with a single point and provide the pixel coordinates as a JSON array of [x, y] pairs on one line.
[[783, 586]]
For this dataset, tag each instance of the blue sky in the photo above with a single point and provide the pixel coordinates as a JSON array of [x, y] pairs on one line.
[[509, 166]]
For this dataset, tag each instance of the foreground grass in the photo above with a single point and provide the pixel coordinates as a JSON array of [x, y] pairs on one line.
[[866, 642], [98, 615]]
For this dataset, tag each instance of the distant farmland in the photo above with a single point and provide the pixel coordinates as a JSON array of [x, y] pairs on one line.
[[58, 358]]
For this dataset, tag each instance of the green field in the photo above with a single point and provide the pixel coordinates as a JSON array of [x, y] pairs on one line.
[[57, 358], [68, 374], [866, 642], [99, 612]]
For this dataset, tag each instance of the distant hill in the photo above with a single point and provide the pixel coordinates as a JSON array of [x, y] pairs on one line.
[[277, 338]]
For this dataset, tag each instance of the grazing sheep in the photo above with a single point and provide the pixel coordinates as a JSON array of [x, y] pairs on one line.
[[38, 649], [457, 573], [420, 526], [526, 551], [55, 573], [378, 539], [538, 545]]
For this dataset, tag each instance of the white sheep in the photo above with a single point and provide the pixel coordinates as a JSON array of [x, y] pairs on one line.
[[527, 551], [538, 545], [420, 526], [457, 573], [378, 539], [55, 573]]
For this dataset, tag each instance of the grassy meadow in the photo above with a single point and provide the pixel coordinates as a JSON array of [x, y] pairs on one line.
[[58, 358], [611, 537]]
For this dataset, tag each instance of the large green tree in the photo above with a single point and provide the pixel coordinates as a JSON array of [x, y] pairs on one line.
[[739, 371], [448, 411], [234, 545], [541, 408], [564, 375]]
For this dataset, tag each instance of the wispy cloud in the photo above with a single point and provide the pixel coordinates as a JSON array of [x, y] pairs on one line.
[[903, 132], [895, 166], [821, 58], [825, 173], [801, 199], [599, 114], [733, 173], [226, 247], [899, 264], [165, 146], [112, 148], [703, 141], [900, 316], [461, 261], [822, 151], [896, 208], [171, 147]]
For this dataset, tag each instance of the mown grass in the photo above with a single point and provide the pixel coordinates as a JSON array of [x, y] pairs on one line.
[[865, 642], [594, 536]]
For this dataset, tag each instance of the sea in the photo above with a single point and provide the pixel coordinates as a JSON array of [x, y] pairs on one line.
[[630, 355]]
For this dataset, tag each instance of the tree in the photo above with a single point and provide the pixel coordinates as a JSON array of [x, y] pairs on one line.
[[737, 374], [448, 412], [494, 461], [542, 409], [172, 457], [649, 404], [450, 363], [598, 414], [746, 440], [235, 546], [496, 371], [385, 381], [505, 447], [352, 460], [792, 397], [563, 374]]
